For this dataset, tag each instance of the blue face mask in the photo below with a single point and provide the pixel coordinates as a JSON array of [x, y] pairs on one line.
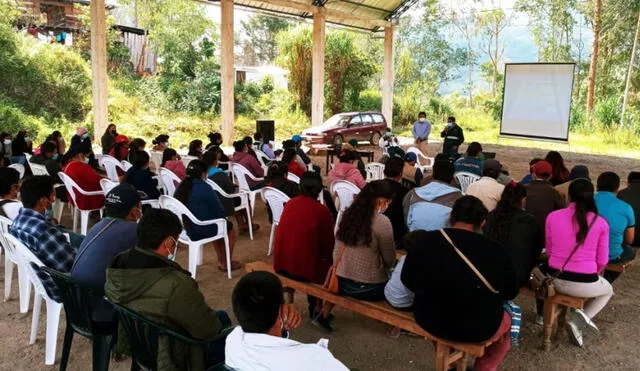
[[55, 157], [172, 255], [48, 213], [85, 135], [26, 139], [86, 160], [449, 124]]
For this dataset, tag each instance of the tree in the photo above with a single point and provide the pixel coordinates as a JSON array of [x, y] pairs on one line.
[[467, 25], [261, 31], [593, 68], [632, 63], [492, 23]]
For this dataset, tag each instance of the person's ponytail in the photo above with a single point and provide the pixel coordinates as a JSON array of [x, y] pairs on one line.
[[194, 171], [581, 195]]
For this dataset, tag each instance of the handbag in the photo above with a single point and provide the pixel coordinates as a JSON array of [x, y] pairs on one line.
[[331, 282], [468, 262], [542, 283]]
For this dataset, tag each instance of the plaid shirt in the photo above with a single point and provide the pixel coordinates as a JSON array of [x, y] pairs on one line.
[[47, 241]]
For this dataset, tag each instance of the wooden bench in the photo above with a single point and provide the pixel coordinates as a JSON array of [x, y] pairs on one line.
[[555, 312], [448, 354], [614, 267]]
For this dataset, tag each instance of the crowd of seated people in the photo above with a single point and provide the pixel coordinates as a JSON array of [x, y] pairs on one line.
[[502, 228]]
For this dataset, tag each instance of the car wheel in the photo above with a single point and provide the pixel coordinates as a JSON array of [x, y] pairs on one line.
[[337, 141], [375, 138]]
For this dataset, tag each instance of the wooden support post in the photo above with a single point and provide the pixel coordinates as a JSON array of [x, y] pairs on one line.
[[317, 89], [388, 76], [227, 70], [99, 68]]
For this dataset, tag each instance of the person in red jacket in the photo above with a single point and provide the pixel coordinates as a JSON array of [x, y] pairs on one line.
[[77, 168], [304, 242], [289, 158]]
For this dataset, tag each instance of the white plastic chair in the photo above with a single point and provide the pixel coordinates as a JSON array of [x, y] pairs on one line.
[[53, 307], [187, 159], [276, 200], [424, 162], [346, 193], [375, 171], [263, 159], [72, 187], [244, 202], [195, 247], [110, 165], [126, 165], [37, 169], [107, 185], [465, 179], [241, 173], [19, 168], [11, 259], [293, 177], [168, 179]]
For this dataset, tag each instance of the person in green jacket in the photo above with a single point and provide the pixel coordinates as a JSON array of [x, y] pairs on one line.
[[147, 280]]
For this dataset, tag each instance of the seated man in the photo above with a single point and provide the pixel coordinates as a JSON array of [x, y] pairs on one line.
[[631, 195], [48, 157], [261, 341], [109, 237], [473, 161], [542, 197], [263, 146], [577, 172], [428, 207], [393, 175], [410, 172], [396, 293], [38, 233], [9, 189], [488, 189], [147, 280], [529, 177], [621, 219]]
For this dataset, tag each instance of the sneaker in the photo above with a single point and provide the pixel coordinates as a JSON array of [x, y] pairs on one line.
[[573, 330], [540, 320], [581, 316], [322, 323]]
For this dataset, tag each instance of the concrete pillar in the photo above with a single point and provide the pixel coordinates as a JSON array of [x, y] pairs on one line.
[[227, 70], [388, 75], [99, 68], [317, 89]]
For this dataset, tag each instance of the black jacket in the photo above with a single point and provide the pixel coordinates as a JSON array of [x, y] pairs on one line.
[[631, 195], [451, 301], [395, 214], [454, 131]]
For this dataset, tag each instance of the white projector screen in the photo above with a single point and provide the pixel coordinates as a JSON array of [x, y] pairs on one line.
[[537, 100]]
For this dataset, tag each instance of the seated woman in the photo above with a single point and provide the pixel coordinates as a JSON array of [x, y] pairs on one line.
[[76, 166], [560, 172], [304, 242], [171, 161], [516, 230], [135, 145], [195, 148], [352, 145], [277, 178], [346, 170], [365, 251], [242, 157], [108, 139], [288, 158], [160, 143], [203, 202], [577, 242], [20, 146], [216, 141], [141, 177], [446, 286], [120, 148]]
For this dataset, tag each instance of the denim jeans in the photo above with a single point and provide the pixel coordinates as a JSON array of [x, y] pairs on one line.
[[362, 291], [213, 352]]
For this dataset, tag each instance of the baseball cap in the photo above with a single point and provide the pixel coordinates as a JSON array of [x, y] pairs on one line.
[[121, 199], [296, 138], [411, 157], [492, 164], [122, 139], [579, 171], [542, 168]]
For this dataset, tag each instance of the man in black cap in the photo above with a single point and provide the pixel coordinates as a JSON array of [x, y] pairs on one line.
[[109, 237]]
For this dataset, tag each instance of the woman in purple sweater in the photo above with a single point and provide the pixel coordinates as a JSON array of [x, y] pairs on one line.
[[577, 242]]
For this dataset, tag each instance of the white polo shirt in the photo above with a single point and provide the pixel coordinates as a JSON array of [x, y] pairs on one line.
[[488, 190], [262, 352]]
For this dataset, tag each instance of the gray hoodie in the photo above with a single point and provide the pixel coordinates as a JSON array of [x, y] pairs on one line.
[[428, 207]]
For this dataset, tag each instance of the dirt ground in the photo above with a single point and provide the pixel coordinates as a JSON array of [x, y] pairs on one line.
[[362, 343]]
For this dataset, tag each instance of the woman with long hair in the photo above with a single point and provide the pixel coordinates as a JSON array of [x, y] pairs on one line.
[[346, 170], [141, 177], [516, 230], [560, 172], [216, 141], [171, 161], [57, 138], [195, 148], [577, 242], [289, 159], [21, 144], [108, 139], [365, 251], [277, 178], [203, 202], [160, 143]]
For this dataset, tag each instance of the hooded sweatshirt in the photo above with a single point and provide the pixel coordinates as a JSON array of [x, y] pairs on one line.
[[428, 207], [161, 290], [348, 172]]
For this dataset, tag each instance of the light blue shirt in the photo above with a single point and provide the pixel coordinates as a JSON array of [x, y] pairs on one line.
[[619, 215], [421, 130]]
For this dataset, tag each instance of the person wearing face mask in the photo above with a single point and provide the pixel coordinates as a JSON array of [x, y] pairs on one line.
[[35, 229], [365, 250], [49, 157], [146, 279], [244, 158], [20, 146], [106, 239], [453, 137], [203, 202], [421, 130], [109, 139], [160, 143], [9, 189], [5, 149], [76, 166], [81, 137], [195, 148], [141, 177]]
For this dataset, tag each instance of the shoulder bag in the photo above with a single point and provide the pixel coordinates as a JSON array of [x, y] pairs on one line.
[[468, 262], [331, 282]]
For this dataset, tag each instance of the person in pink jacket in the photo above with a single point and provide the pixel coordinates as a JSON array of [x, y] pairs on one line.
[[346, 170], [244, 158], [171, 161], [577, 242]]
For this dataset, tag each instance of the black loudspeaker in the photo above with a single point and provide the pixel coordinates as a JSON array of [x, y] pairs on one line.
[[267, 129]]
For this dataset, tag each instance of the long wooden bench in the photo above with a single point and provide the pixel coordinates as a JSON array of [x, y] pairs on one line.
[[621, 267], [448, 354]]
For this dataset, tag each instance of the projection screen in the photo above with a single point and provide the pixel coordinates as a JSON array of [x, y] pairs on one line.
[[536, 102]]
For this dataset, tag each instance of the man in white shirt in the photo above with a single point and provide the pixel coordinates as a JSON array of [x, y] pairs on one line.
[[9, 189], [487, 189], [260, 342]]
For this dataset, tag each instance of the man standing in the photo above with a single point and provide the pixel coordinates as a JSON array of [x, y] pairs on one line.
[[453, 138], [421, 130]]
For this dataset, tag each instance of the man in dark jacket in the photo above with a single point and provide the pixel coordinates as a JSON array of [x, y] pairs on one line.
[[49, 158], [631, 195], [542, 197], [453, 138], [393, 175], [147, 280]]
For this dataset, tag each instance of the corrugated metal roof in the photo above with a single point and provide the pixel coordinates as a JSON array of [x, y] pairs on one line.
[[369, 15]]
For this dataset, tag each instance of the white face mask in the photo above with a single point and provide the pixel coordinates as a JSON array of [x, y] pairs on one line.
[[422, 119], [7, 142], [172, 255]]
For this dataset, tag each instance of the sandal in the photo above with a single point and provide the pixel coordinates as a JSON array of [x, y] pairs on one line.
[[235, 265]]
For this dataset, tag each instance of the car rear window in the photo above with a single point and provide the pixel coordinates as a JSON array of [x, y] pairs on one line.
[[378, 118]]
